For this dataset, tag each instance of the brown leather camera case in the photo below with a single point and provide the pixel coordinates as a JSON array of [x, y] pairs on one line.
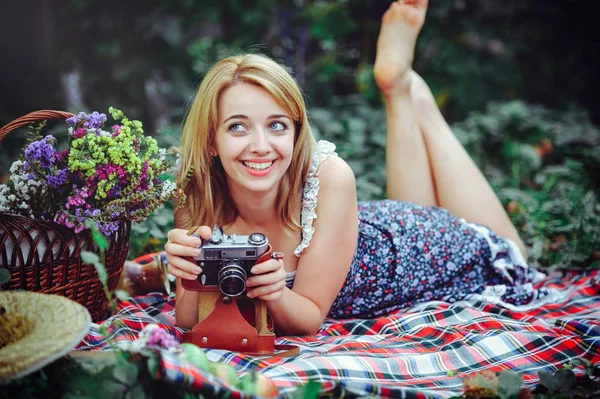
[[235, 324]]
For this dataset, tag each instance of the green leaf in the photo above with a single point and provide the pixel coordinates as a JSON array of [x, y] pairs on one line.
[[162, 218], [310, 390], [248, 383], [225, 372], [196, 356], [565, 380], [581, 362], [548, 380], [122, 295], [89, 257], [509, 384], [93, 259], [153, 364], [97, 236], [126, 373], [100, 240], [4, 276], [156, 232]]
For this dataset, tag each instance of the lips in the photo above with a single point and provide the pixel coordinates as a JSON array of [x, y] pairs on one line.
[[259, 166], [258, 169]]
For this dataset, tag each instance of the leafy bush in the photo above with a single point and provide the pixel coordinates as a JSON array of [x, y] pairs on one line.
[[544, 166]]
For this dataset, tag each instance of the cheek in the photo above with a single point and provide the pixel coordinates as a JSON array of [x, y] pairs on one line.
[[286, 147]]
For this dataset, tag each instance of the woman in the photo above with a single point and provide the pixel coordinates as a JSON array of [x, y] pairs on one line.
[[256, 168]]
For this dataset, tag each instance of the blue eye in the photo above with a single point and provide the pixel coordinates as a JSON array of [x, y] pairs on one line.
[[236, 127], [278, 126]]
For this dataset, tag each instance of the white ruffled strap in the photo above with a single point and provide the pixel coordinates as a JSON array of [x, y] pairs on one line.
[[310, 192]]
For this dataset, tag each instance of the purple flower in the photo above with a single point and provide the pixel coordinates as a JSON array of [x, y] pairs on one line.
[[41, 150], [115, 191], [78, 197], [107, 228], [91, 121], [58, 179], [95, 120], [160, 337]]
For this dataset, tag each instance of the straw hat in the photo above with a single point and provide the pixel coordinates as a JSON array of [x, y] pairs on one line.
[[36, 329]]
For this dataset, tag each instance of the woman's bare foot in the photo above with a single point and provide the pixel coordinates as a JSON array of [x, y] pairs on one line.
[[400, 27]]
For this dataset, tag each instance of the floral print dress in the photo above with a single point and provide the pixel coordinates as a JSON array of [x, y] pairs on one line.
[[407, 253]]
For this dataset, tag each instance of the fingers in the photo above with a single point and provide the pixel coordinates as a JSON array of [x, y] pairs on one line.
[[180, 236], [268, 292], [267, 266], [269, 280], [270, 277], [180, 267], [179, 249], [172, 248], [203, 232]]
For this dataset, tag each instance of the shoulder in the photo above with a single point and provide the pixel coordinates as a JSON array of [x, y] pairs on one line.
[[336, 173]]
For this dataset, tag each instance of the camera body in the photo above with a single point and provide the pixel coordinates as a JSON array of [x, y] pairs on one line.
[[226, 261]]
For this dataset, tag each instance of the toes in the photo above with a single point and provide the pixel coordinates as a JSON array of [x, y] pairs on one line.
[[412, 13]]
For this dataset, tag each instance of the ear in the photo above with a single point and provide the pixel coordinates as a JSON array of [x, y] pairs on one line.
[[213, 151]]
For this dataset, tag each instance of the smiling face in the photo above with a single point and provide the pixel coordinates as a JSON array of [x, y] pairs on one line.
[[254, 139]]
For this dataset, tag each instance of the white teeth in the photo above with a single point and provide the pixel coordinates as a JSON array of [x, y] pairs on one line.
[[258, 166]]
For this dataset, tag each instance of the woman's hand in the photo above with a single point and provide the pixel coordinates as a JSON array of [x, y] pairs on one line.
[[180, 246], [268, 280]]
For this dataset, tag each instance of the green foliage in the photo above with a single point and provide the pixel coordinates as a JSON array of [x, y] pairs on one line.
[[543, 164]]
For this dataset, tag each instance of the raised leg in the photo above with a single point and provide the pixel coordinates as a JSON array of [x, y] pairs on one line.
[[425, 162], [407, 163]]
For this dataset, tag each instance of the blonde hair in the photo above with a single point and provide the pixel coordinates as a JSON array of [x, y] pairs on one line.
[[208, 201]]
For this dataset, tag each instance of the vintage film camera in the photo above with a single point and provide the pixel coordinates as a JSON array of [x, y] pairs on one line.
[[226, 261], [227, 319]]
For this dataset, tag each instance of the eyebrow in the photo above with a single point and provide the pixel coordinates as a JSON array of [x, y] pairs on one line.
[[240, 116]]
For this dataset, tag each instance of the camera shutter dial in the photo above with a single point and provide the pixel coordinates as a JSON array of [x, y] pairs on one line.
[[257, 239], [216, 240]]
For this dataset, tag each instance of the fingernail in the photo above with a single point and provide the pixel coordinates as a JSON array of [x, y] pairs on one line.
[[198, 270], [250, 295], [197, 252], [248, 283], [253, 270]]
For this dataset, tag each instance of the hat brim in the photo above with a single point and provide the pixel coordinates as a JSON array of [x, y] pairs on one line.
[[59, 324]]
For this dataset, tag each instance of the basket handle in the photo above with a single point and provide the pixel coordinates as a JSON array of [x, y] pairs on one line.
[[32, 117]]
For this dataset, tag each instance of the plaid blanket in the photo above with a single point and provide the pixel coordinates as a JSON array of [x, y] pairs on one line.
[[420, 352]]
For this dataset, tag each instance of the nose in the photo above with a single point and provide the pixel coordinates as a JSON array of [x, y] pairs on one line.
[[260, 143]]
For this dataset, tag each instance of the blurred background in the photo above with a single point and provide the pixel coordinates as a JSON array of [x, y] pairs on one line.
[[516, 80]]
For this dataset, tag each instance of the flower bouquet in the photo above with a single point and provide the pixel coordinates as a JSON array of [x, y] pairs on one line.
[[56, 202]]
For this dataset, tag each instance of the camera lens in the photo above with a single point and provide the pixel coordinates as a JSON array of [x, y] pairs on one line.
[[232, 278]]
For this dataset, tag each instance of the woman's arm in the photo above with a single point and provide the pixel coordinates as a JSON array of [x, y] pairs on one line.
[[324, 264], [186, 302]]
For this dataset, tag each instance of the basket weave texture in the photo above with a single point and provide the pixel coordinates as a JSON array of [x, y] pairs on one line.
[[43, 256]]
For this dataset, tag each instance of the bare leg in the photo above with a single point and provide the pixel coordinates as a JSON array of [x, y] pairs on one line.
[[407, 163], [425, 162], [460, 186]]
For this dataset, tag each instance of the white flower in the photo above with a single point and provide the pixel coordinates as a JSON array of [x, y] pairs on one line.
[[16, 165], [162, 155], [167, 188]]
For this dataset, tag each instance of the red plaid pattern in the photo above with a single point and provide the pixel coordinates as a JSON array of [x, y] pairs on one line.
[[406, 354]]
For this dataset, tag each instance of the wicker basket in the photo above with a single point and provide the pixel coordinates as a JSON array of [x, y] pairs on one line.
[[44, 256]]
